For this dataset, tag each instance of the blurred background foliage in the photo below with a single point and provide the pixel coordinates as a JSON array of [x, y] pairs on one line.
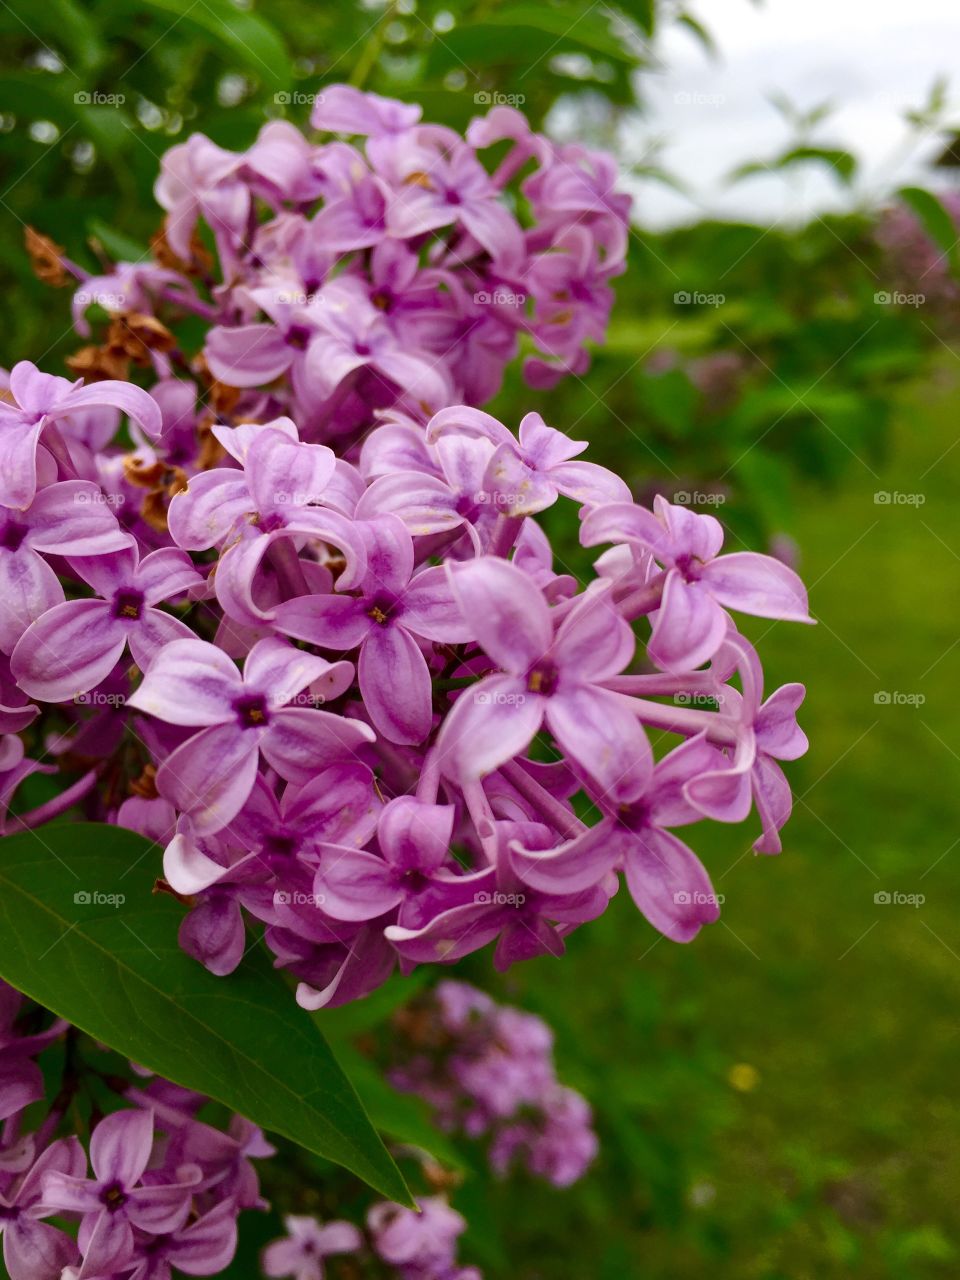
[[775, 1102]]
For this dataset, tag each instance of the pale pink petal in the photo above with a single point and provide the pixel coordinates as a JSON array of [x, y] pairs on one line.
[[505, 609], [595, 728], [395, 683], [192, 683], [490, 723], [670, 885], [68, 650], [211, 775], [299, 741], [689, 626], [757, 584]]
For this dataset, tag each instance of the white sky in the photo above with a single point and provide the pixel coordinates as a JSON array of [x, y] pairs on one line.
[[873, 58]]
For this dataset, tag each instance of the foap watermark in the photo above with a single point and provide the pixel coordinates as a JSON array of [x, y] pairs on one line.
[[97, 698], [689, 98], [685, 898], [487, 699], [99, 298], [695, 498], [493, 98], [894, 498], [500, 498], [298, 298], [708, 700], [894, 898], [497, 899], [499, 298], [296, 98], [697, 298], [297, 898], [96, 898], [88, 497], [897, 298], [895, 698], [95, 98]]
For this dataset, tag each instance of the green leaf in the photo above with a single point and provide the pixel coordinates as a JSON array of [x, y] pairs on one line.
[[843, 163], [120, 247], [85, 935], [528, 34], [402, 1116], [936, 221], [244, 36]]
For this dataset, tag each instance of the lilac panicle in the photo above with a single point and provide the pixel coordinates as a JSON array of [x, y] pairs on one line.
[[310, 625]]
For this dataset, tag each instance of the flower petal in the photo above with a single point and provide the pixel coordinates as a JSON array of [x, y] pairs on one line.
[[68, 650]]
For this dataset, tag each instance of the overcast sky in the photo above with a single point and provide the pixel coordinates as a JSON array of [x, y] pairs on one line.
[[872, 58]]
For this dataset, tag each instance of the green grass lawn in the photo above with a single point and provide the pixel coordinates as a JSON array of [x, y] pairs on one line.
[[837, 1153]]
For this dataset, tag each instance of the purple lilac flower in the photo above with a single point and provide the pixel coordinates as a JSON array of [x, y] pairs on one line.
[[40, 400], [165, 1188], [300, 1255], [211, 775], [75, 645], [487, 1070]]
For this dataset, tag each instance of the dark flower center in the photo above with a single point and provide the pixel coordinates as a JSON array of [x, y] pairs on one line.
[[113, 1197], [381, 610], [689, 567], [128, 604], [543, 678], [251, 711], [280, 844], [298, 335], [635, 816], [12, 537]]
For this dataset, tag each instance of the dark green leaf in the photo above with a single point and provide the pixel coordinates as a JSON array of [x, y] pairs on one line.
[[85, 935], [937, 222], [244, 36]]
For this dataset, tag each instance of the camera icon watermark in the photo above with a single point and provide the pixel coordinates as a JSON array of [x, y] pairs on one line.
[[685, 98], [894, 698], [296, 98], [894, 498], [94, 98], [498, 899], [698, 298], [894, 898], [499, 298], [95, 898], [488, 98], [296, 898], [486, 699], [686, 898], [696, 498], [896, 298]]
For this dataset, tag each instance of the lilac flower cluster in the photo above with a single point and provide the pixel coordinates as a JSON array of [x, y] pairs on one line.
[[411, 1245], [488, 1070], [347, 689], [402, 268], [367, 785], [919, 267], [156, 1191]]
